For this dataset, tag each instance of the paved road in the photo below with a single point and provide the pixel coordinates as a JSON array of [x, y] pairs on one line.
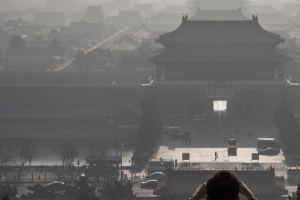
[[66, 64], [205, 143]]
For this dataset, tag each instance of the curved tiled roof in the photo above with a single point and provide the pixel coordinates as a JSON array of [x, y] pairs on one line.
[[173, 57], [219, 32], [219, 15]]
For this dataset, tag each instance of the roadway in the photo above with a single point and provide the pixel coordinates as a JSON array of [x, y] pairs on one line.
[[69, 62]]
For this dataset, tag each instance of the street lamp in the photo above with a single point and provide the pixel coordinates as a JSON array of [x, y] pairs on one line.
[[121, 163], [117, 165]]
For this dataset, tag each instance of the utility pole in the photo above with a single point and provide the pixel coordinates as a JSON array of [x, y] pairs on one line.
[[121, 163], [117, 165]]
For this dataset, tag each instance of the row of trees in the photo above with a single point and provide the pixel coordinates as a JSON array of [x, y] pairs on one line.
[[11, 158], [81, 190], [286, 122], [14, 160], [150, 126]]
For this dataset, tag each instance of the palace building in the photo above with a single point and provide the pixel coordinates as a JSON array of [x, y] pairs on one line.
[[221, 51], [231, 66]]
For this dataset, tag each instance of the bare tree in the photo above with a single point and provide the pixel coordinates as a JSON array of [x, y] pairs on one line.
[[96, 153], [20, 162], [7, 157], [67, 154], [62, 153], [30, 151], [71, 155]]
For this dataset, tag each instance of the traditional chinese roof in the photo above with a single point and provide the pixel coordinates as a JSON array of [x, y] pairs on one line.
[[143, 31], [126, 46], [273, 18], [183, 9], [261, 9], [218, 4], [81, 28], [219, 32], [292, 27], [185, 182], [172, 57], [219, 15], [130, 39], [129, 13], [143, 6], [94, 9]]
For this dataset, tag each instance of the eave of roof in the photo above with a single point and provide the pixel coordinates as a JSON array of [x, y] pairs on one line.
[[217, 32], [171, 57]]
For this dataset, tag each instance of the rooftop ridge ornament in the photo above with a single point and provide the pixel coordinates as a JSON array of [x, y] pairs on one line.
[[255, 18], [184, 18]]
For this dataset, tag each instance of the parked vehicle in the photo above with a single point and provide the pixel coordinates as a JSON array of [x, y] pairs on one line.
[[178, 135], [171, 129], [56, 185], [267, 142], [269, 151], [149, 184], [198, 118], [156, 176], [232, 145], [160, 164]]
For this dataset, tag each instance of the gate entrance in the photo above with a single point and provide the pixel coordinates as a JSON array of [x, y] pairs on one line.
[[220, 107]]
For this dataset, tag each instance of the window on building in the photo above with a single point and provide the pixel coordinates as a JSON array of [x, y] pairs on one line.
[[263, 74]]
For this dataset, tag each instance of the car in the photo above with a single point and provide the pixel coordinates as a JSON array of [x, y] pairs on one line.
[[156, 176], [149, 184], [56, 185], [269, 151], [198, 118], [171, 129]]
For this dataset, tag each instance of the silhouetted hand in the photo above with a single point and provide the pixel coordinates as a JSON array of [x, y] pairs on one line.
[[200, 192], [244, 190]]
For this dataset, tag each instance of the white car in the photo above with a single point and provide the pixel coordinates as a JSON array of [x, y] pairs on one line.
[[198, 118]]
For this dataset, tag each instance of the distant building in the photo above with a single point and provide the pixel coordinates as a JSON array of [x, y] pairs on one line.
[[126, 18], [94, 14], [82, 31], [217, 4], [219, 15], [207, 46], [230, 53], [182, 9], [164, 21], [146, 8], [60, 5], [50, 18], [261, 8], [291, 9], [143, 31]]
